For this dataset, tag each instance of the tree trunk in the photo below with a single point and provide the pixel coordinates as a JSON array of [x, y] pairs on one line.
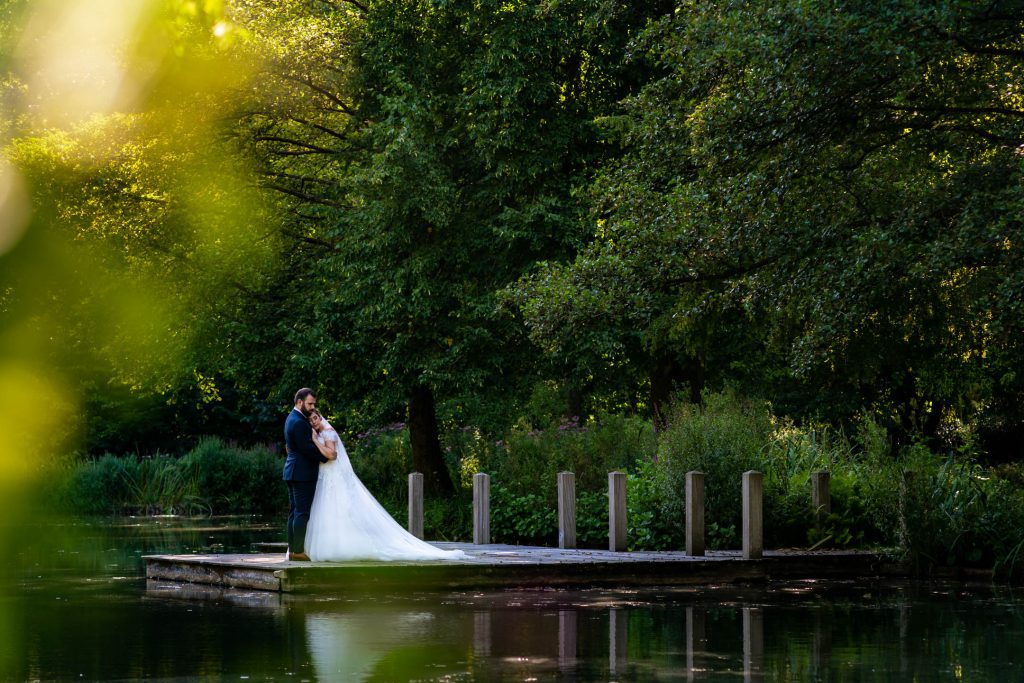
[[574, 404], [668, 374], [695, 374], [662, 386], [426, 444]]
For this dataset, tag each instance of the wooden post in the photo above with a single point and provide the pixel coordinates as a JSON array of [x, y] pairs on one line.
[[616, 511], [567, 633], [482, 633], [416, 504], [753, 519], [695, 513], [696, 642], [618, 640], [566, 510], [753, 645], [481, 509], [821, 497]]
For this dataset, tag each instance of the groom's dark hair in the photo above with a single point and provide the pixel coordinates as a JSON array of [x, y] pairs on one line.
[[301, 394]]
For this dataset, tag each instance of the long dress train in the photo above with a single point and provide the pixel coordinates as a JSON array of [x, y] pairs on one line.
[[347, 523]]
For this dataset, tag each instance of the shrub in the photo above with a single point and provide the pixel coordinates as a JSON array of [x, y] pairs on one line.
[[234, 480], [159, 485], [528, 461], [952, 514], [723, 439], [592, 519], [522, 519], [97, 486], [654, 513], [531, 519], [447, 519], [211, 479], [383, 460]]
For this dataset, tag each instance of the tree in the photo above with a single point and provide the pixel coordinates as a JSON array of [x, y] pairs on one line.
[[847, 175], [430, 154], [139, 215]]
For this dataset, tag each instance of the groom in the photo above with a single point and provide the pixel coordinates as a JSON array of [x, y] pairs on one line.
[[301, 468]]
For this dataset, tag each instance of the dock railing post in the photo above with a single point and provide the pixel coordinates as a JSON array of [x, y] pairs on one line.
[[695, 513], [616, 511], [416, 504], [753, 515], [481, 509], [753, 644], [566, 510], [821, 497]]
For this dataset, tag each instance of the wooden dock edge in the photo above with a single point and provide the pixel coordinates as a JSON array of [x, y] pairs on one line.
[[172, 568], [403, 577]]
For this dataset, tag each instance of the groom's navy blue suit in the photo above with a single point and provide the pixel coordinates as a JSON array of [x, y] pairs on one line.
[[301, 469]]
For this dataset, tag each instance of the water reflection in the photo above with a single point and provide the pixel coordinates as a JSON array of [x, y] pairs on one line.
[[96, 621], [694, 635], [753, 645], [353, 646]]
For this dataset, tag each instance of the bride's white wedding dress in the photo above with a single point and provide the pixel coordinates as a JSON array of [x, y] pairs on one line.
[[347, 523]]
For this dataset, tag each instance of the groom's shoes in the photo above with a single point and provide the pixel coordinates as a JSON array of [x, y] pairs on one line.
[[298, 557]]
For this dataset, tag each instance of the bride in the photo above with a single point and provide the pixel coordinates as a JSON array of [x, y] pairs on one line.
[[346, 521]]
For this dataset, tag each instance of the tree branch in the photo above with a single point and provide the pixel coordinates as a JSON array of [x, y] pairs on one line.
[[317, 126], [955, 110], [299, 178], [296, 143], [309, 240], [342, 105], [312, 199]]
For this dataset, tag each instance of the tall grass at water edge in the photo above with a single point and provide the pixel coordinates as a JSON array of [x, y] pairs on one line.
[[212, 478]]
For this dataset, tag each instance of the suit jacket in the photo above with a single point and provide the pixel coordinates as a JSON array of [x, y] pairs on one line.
[[304, 458]]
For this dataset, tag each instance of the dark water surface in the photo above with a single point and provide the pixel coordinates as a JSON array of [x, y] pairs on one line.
[[75, 606]]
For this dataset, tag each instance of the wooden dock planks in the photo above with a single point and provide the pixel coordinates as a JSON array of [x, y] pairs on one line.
[[507, 566]]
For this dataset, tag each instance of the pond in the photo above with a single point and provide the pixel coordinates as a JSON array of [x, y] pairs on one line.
[[77, 606]]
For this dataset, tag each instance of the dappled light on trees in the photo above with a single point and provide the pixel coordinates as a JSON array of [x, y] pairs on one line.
[[126, 218]]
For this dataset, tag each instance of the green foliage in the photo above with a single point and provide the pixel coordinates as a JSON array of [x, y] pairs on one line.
[[446, 519], [953, 514], [654, 512], [531, 519], [235, 480], [95, 487], [528, 460], [382, 460], [592, 518], [820, 205], [723, 439], [524, 519], [213, 478]]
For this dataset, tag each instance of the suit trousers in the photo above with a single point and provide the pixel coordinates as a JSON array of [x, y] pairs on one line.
[[300, 500]]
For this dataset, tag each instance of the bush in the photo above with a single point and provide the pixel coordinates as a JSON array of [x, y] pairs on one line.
[[528, 461], [723, 439], [447, 519], [95, 487], [211, 479], [382, 460], [522, 519], [953, 514], [654, 513], [234, 480], [531, 519]]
